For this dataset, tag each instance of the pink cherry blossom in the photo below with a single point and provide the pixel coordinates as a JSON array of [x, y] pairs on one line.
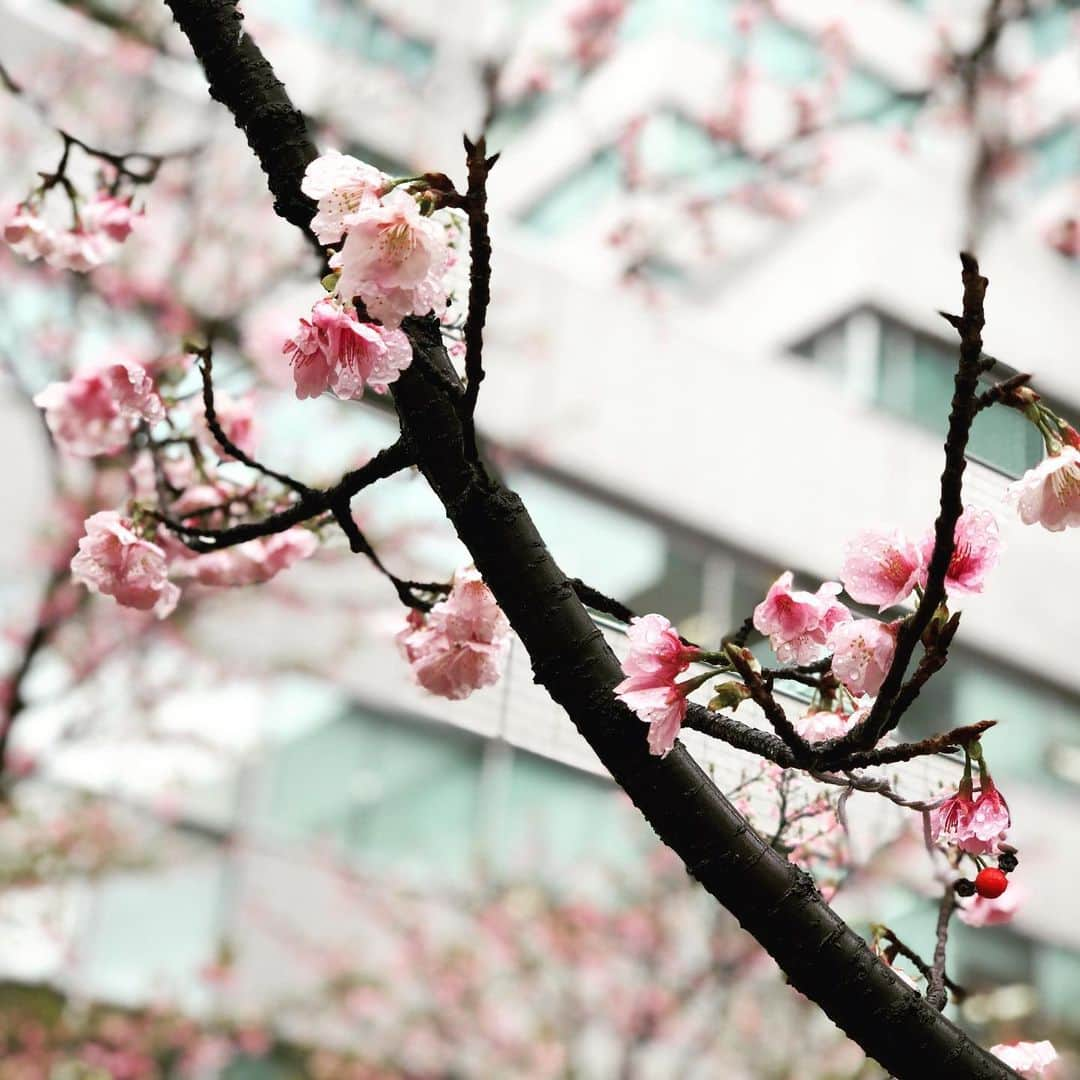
[[663, 708], [109, 215], [80, 250], [334, 351], [975, 826], [862, 653], [116, 562], [251, 563], [1028, 1058], [28, 234], [394, 259], [816, 726], [798, 623], [979, 911], [881, 568], [342, 185], [457, 647], [96, 411], [950, 822], [657, 654], [1049, 494], [990, 818], [976, 546]]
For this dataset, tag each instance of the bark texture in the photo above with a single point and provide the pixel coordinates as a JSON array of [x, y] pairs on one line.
[[771, 898]]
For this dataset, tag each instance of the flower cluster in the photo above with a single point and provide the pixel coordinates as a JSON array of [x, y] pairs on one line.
[[457, 647], [657, 656], [96, 411], [884, 567], [114, 560], [335, 351], [798, 624], [803, 628], [880, 567], [250, 563], [100, 227], [394, 257], [974, 826]]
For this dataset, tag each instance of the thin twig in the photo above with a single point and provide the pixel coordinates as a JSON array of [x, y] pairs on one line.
[[313, 503], [900, 949], [884, 715], [475, 203], [935, 992], [231, 449]]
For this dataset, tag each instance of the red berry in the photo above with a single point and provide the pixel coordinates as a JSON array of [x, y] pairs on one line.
[[991, 883]]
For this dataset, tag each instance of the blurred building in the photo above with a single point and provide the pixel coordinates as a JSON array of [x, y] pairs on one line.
[[696, 383]]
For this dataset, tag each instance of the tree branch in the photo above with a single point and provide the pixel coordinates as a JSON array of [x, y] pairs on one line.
[[773, 900], [886, 713], [314, 502], [206, 369], [479, 166]]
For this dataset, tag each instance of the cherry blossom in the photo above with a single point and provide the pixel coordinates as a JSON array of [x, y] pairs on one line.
[[253, 562], [335, 351], [394, 259], [109, 215], [96, 411], [1049, 494], [881, 568], [798, 623], [976, 826], [102, 225], [113, 560], [990, 818], [28, 234], [1027, 1058], [979, 911], [342, 185], [663, 708], [976, 547], [862, 653], [950, 822], [456, 647], [818, 725], [657, 654]]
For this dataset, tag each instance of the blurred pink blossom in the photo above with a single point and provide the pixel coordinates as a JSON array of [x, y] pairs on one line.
[[116, 562]]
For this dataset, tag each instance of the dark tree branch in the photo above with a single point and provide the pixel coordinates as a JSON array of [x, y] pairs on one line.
[[898, 948], [479, 166], [773, 900], [885, 714], [385, 463], [360, 545], [206, 369], [762, 696], [935, 991], [237, 72]]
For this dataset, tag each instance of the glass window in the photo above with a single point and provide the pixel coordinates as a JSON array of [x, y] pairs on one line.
[[912, 377], [578, 195]]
